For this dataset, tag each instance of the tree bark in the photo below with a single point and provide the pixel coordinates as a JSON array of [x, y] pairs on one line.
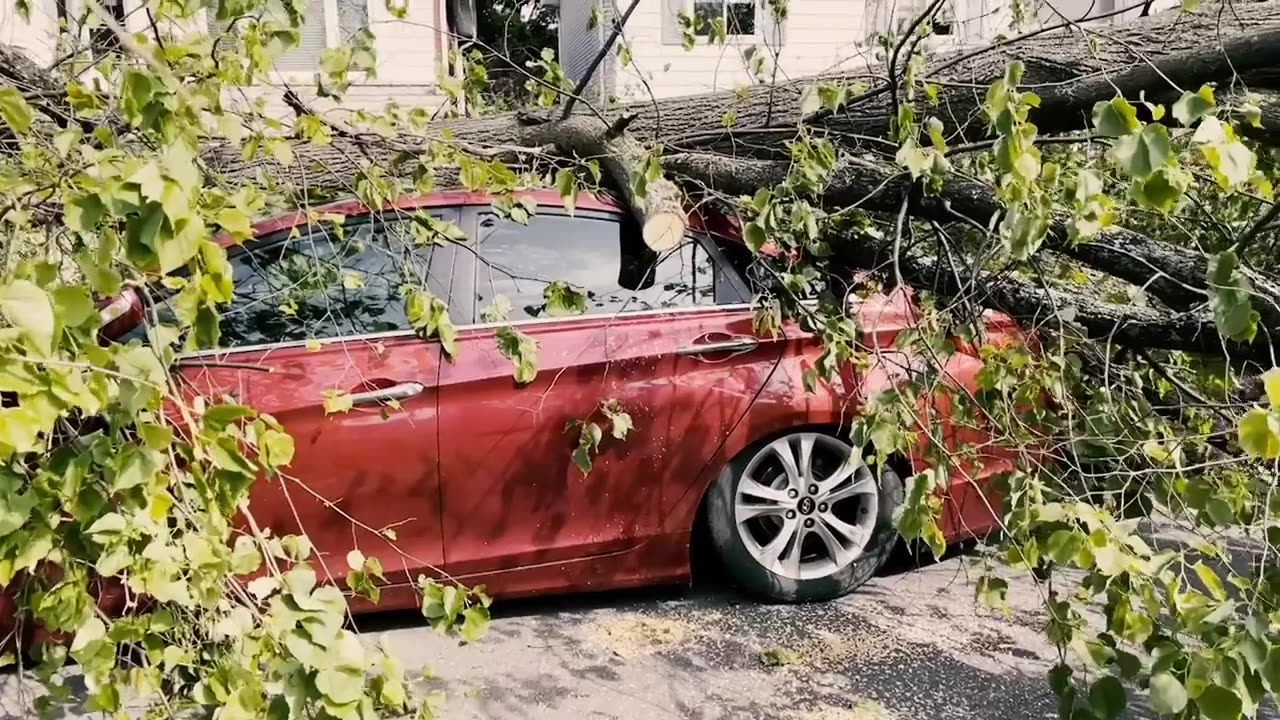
[[659, 209]]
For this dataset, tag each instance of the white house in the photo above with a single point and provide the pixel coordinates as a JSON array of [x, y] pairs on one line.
[[818, 36], [409, 50]]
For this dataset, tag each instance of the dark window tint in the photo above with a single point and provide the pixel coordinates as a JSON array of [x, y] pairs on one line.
[[322, 284], [738, 16], [326, 283], [602, 257]]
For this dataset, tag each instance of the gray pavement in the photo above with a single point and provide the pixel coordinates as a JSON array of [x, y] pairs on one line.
[[910, 645]]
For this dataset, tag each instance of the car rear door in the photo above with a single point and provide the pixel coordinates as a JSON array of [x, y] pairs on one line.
[[317, 336]]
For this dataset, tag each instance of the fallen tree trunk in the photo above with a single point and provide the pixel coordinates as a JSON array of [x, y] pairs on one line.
[[659, 208], [1154, 57], [1070, 72]]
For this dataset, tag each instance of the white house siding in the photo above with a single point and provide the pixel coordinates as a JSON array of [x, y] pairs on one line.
[[819, 36], [1054, 11], [408, 52], [36, 36]]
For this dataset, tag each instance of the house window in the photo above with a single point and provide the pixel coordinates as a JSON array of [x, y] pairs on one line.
[[103, 39], [738, 16], [314, 36]]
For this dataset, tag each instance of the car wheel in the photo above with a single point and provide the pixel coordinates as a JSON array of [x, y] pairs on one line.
[[803, 518]]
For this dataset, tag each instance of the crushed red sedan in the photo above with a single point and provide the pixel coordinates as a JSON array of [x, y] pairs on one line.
[[472, 473]]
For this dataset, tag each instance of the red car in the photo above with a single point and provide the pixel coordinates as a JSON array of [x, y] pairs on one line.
[[473, 473]]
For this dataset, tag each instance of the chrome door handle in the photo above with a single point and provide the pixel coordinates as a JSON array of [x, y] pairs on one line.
[[402, 391], [736, 343]]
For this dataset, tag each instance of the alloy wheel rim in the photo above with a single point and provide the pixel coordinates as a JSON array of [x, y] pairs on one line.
[[806, 506]]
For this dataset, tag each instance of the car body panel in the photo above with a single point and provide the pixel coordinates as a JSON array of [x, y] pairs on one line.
[[473, 475], [340, 486]]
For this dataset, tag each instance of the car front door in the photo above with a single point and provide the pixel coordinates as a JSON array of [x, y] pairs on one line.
[[317, 336], [513, 495]]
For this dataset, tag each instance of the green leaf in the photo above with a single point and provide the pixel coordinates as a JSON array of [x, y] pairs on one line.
[[336, 401], [1219, 703], [620, 424], [1271, 669], [1210, 580], [1062, 545], [106, 527], [340, 686], [1259, 434], [754, 235], [74, 306], [779, 657], [588, 442], [1192, 106], [1023, 229], [15, 508], [1229, 298], [1167, 694], [1115, 118], [1252, 114], [429, 317], [1107, 697], [1139, 154], [276, 448], [1271, 381], [28, 308], [355, 560], [235, 222], [475, 623], [521, 350], [14, 109], [567, 186], [810, 100], [563, 299], [992, 591], [19, 431], [1163, 189]]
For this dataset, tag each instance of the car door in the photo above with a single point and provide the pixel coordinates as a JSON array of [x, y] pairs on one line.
[[317, 336], [513, 495], [701, 355]]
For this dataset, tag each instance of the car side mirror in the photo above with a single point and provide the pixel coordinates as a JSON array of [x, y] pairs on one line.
[[638, 270], [639, 267]]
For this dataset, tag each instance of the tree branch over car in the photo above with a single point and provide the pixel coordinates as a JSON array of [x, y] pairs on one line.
[[864, 241]]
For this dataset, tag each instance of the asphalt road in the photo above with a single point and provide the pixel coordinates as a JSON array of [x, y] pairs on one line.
[[910, 645]]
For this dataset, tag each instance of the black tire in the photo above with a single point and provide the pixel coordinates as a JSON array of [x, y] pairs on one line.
[[760, 581]]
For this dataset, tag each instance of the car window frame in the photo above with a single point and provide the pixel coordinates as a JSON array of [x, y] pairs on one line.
[[470, 273]]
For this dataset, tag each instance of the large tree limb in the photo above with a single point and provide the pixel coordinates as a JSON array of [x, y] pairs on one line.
[[659, 210], [1172, 274], [1067, 68]]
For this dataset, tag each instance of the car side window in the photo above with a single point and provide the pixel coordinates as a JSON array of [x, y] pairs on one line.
[[327, 282], [604, 257]]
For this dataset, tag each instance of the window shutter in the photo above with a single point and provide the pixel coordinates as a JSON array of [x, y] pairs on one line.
[[671, 10], [773, 31], [579, 45], [312, 38]]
